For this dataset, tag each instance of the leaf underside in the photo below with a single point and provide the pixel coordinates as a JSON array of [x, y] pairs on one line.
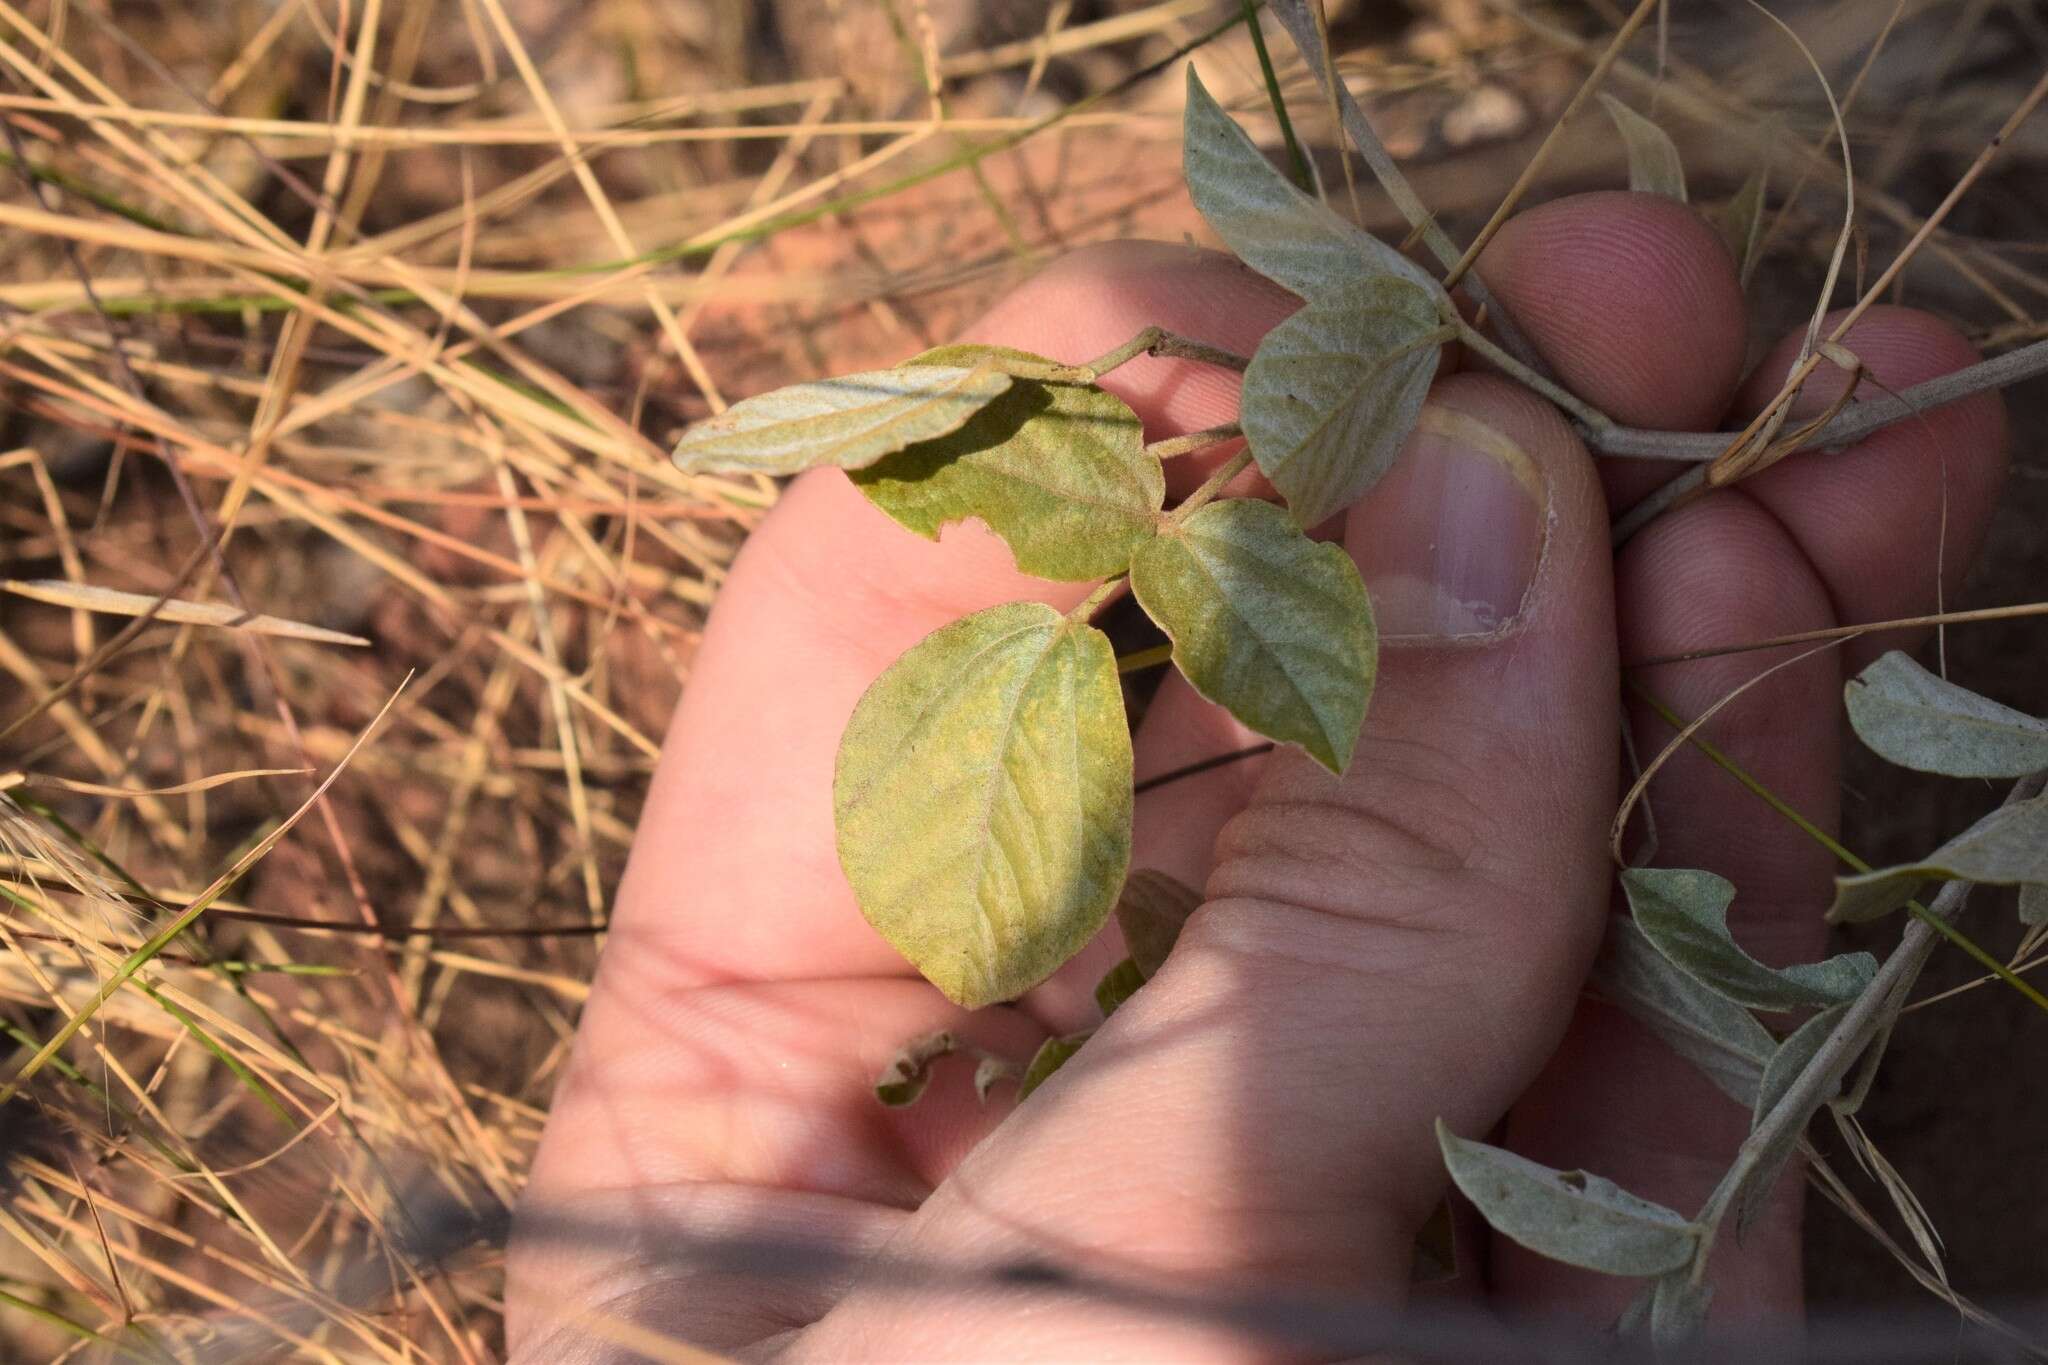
[[850, 422], [983, 799], [2007, 847], [1685, 914], [1919, 720], [1265, 622], [1150, 911], [1059, 471]]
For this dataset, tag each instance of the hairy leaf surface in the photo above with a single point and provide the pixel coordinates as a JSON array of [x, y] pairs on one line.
[[1714, 1033], [983, 799], [1919, 720], [851, 421], [1150, 911], [1685, 914], [1059, 471], [1265, 622], [2008, 846], [1569, 1216], [1334, 390], [1653, 163]]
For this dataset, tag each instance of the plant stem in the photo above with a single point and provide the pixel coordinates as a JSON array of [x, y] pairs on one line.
[[1589, 417], [1151, 341], [1296, 161], [1094, 601], [1139, 660], [1193, 441], [1236, 465]]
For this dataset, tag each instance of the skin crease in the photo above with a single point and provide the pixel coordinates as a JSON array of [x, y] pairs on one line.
[[1404, 943]]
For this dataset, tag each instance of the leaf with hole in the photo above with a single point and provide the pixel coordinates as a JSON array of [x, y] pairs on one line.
[[1333, 391], [1569, 1216], [1052, 1054], [1059, 471], [1791, 1060], [1292, 239], [1150, 911], [903, 1081], [2007, 847], [1685, 915], [851, 421], [1265, 622], [1715, 1034], [983, 799], [1919, 720], [1653, 163], [1118, 984]]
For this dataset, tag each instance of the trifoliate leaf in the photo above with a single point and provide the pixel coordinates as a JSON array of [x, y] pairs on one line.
[[1265, 622], [851, 421], [1741, 222], [1791, 1059], [1685, 914], [1292, 239], [1653, 164], [1334, 390], [1715, 1034], [1050, 1057], [1569, 1216], [1150, 911], [903, 1081], [1059, 471], [2034, 903], [1919, 720], [1118, 984], [983, 799], [2008, 846]]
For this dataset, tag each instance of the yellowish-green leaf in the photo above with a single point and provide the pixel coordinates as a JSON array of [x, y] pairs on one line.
[[1334, 390], [1653, 163], [983, 799], [1569, 1216], [1265, 622], [1684, 914], [2007, 847], [1150, 911], [85, 597], [1293, 240], [851, 421], [1920, 720], [1059, 471], [1050, 1057], [1118, 984]]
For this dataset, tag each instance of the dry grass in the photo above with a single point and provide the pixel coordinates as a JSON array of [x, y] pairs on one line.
[[375, 321]]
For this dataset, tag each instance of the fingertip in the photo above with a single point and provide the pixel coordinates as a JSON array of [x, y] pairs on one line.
[[1632, 298]]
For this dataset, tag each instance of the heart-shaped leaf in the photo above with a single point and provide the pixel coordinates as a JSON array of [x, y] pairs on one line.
[[1150, 911], [851, 421], [1685, 915], [1569, 1216], [1059, 471], [1920, 720], [2008, 846], [1715, 1034], [1653, 163], [983, 799], [1333, 391], [1265, 622]]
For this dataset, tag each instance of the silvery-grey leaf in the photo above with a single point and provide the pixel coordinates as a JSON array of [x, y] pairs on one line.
[[1919, 720], [850, 422], [1685, 914], [1715, 1034], [2009, 846]]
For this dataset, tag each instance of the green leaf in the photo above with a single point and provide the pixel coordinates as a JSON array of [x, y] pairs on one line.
[[1685, 914], [1265, 622], [1715, 1034], [1059, 471], [1150, 911], [1792, 1058], [1653, 164], [1919, 720], [2034, 903], [850, 422], [1334, 390], [1052, 1054], [1741, 222], [1118, 984], [1569, 1216], [1293, 240], [903, 1081], [983, 799], [2008, 846]]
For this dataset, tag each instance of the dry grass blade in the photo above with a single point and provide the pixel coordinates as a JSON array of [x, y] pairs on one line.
[[113, 602]]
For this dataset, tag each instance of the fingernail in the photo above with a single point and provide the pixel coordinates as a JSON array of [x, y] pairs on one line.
[[1450, 540]]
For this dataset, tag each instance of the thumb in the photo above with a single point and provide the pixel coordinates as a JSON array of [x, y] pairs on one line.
[[1377, 950]]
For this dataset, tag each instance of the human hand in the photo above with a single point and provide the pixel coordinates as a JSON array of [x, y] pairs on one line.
[[1376, 951]]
